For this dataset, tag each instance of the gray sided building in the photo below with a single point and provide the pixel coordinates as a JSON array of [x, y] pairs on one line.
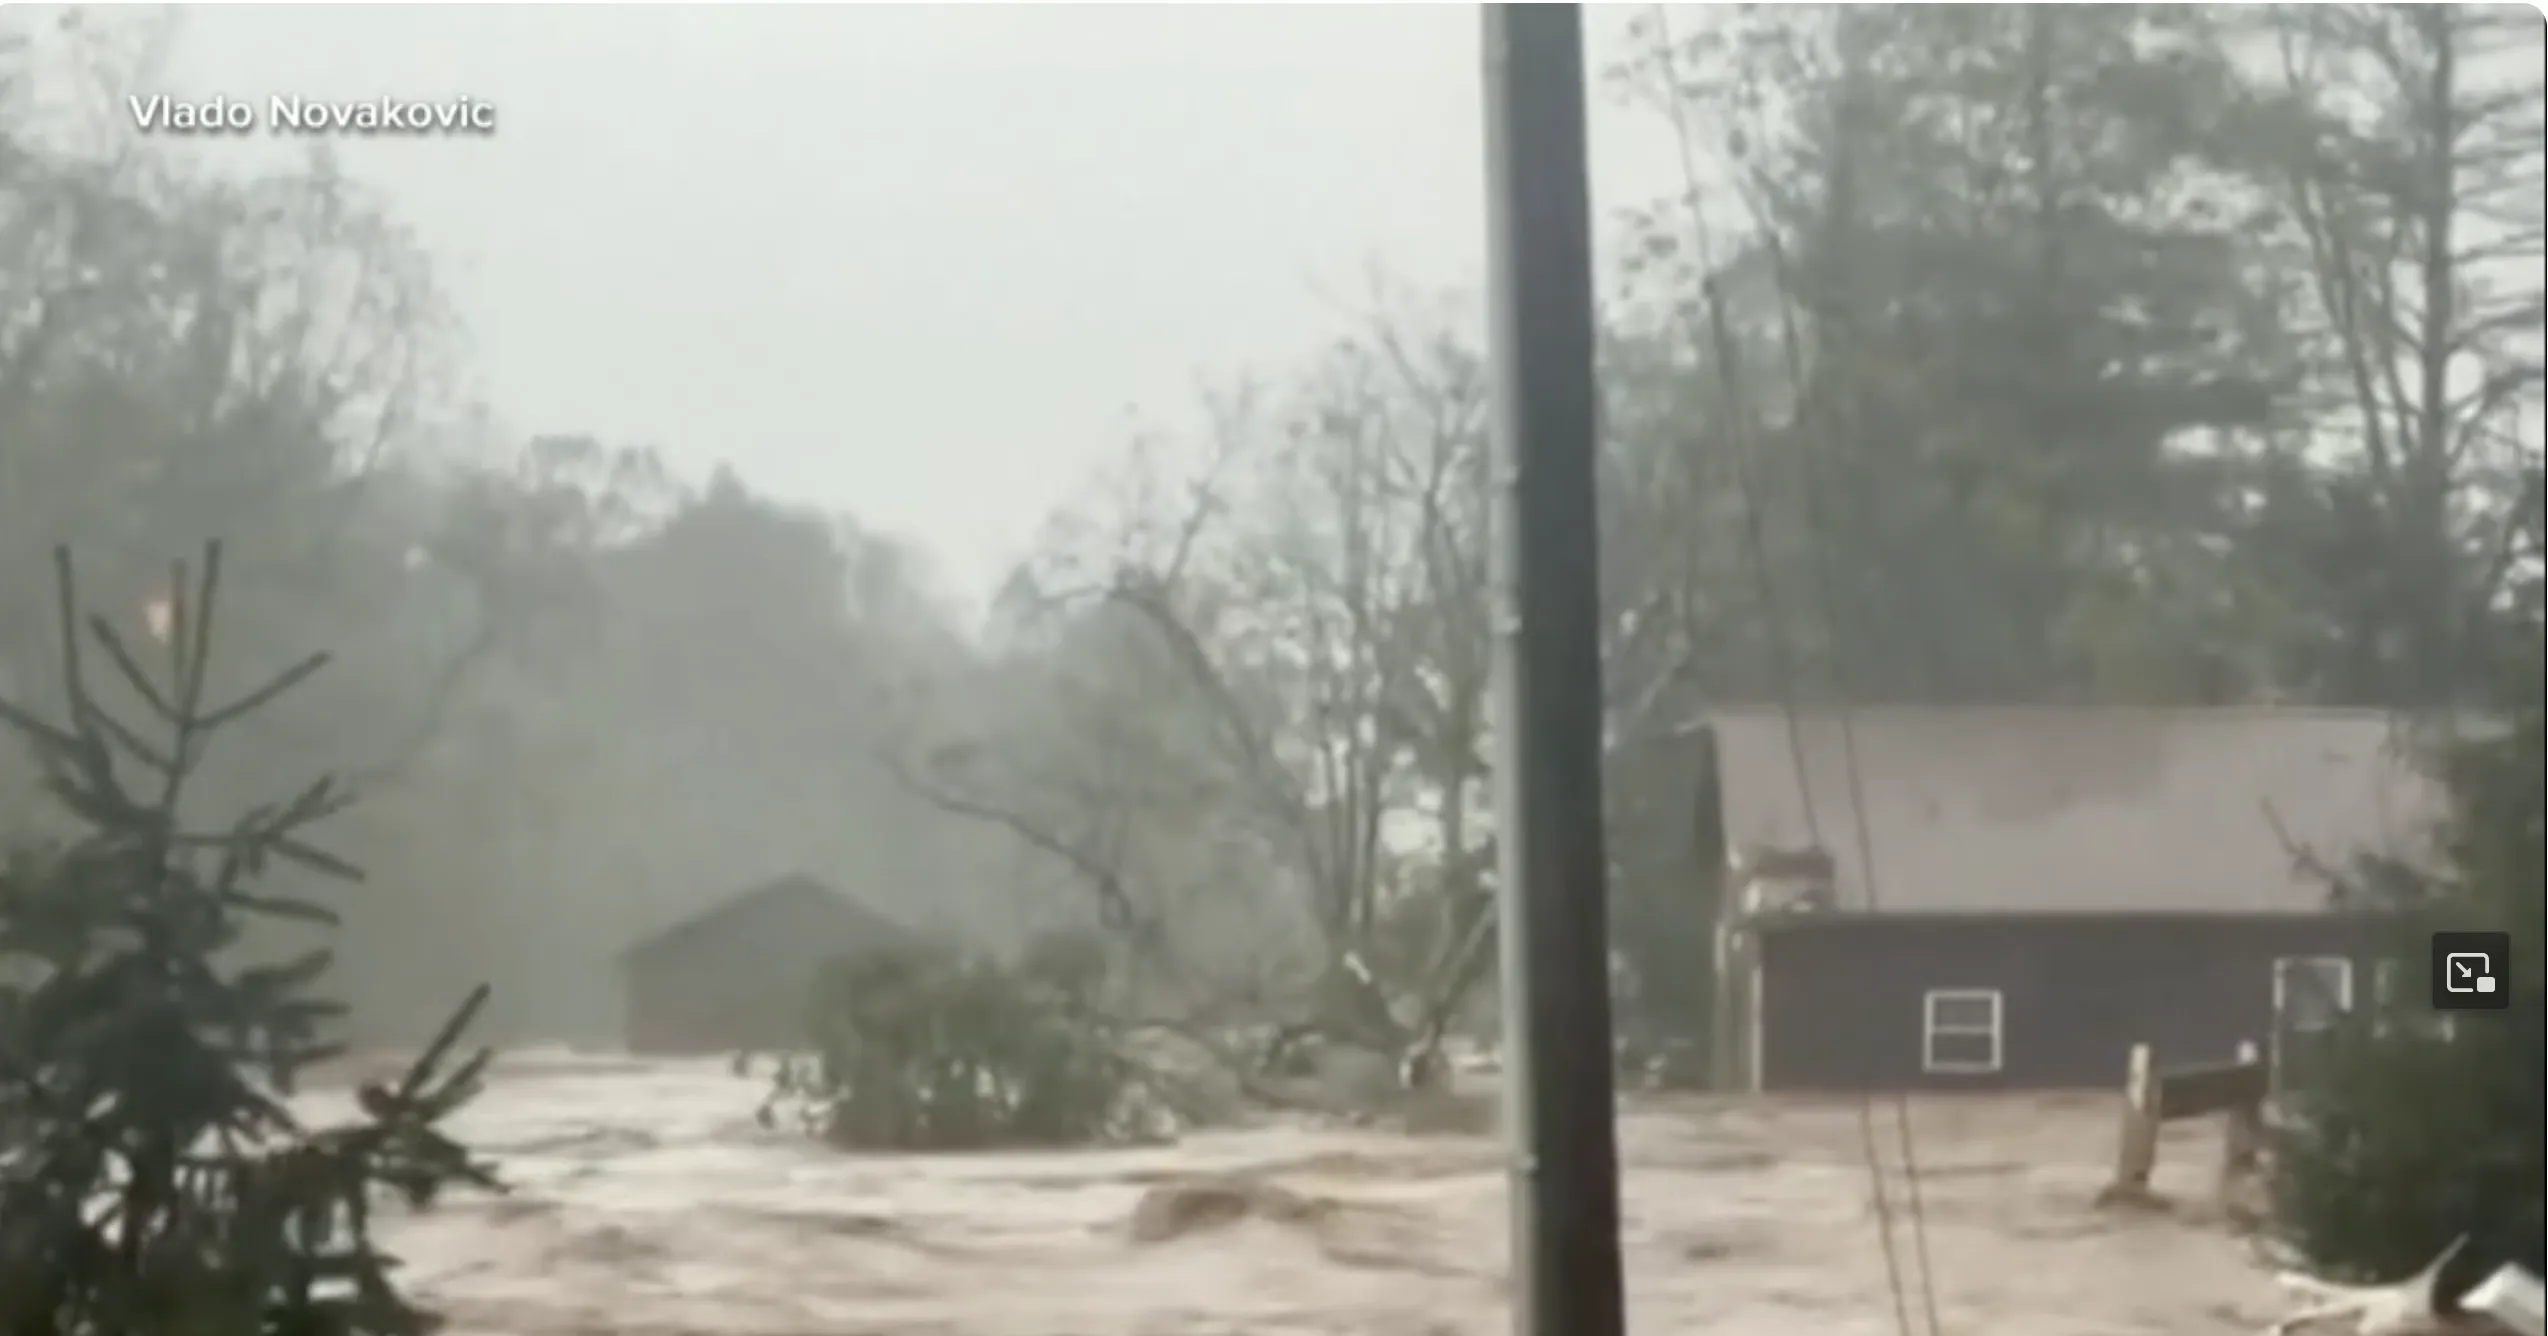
[[2048, 888], [736, 977]]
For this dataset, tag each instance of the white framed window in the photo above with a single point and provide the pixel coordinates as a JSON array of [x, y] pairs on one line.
[[2395, 1009], [2312, 992], [2385, 1003], [1960, 1030]]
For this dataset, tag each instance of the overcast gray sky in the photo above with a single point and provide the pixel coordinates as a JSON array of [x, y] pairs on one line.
[[920, 263]]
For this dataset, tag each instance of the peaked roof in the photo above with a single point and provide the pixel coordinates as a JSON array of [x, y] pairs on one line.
[[853, 916], [2078, 809]]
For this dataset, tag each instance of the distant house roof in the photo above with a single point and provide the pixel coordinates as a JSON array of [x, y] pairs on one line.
[[2078, 809], [853, 918]]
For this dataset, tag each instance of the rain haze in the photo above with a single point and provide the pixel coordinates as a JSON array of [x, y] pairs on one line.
[[799, 247], [905, 579]]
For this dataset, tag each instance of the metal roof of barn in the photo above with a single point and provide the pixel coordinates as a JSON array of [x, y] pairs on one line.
[[2046, 809], [853, 916]]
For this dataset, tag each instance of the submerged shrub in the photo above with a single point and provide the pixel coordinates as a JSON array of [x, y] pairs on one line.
[[931, 1049]]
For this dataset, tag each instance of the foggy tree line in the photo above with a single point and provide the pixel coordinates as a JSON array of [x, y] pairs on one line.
[[1993, 354]]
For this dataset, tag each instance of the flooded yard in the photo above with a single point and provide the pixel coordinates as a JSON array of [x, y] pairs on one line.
[[647, 1201]]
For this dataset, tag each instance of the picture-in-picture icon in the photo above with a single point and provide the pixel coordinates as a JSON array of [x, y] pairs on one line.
[[2470, 970]]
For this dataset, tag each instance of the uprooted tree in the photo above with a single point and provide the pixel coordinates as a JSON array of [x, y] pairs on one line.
[[1247, 718], [156, 1181], [1246, 714]]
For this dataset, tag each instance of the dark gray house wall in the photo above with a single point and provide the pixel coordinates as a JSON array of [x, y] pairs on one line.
[[1840, 1001], [735, 979], [2099, 876]]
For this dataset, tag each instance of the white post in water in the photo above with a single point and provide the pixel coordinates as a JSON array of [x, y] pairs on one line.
[[2513, 1298]]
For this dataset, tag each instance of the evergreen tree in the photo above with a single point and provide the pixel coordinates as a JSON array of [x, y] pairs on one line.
[[152, 1179], [2415, 1132]]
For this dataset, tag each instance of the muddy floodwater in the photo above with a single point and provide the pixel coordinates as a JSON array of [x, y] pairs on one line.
[[647, 1201]]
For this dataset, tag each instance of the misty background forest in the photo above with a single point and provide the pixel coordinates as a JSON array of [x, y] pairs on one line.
[[1993, 354]]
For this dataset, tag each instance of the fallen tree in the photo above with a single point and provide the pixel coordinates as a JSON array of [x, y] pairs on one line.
[[1241, 723]]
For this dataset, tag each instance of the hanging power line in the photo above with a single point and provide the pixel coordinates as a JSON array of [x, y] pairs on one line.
[[1818, 543], [1848, 423], [1746, 450], [1717, 343]]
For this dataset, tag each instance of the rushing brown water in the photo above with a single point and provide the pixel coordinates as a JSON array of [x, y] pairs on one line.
[[648, 1202]]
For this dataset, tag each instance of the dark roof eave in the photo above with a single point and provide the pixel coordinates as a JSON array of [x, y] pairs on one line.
[[1870, 919], [674, 934]]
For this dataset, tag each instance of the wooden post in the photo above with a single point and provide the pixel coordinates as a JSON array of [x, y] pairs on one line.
[[2152, 1099], [2137, 1149], [2242, 1135], [1726, 1068]]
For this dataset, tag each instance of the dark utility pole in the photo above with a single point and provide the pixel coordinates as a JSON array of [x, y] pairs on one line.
[[1553, 878]]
